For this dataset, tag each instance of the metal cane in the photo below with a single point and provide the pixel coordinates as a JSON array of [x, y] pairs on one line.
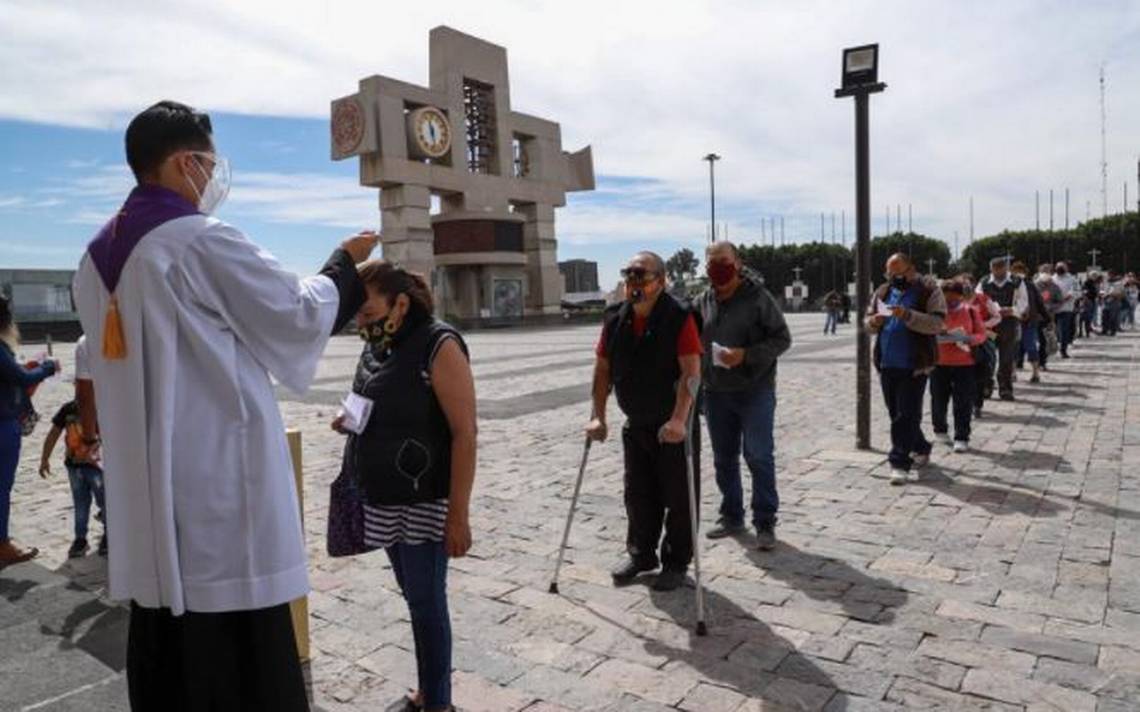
[[570, 516], [694, 387]]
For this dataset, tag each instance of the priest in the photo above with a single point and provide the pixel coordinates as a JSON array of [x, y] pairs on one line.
[[187, 323]]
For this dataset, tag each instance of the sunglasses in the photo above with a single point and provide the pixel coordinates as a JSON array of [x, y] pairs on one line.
[[639, 274]]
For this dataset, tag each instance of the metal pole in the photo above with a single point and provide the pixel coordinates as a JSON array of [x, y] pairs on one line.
[[909, 218], [1037, 208], [863, 271], [971, 219], [712, 201], [570, 515], [694, 509]]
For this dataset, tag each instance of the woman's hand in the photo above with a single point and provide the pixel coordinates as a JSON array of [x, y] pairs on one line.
[[338, 424], [457, 534]]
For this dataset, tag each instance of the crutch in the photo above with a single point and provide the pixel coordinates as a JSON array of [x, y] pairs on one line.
[[570, 516], [694, 386]]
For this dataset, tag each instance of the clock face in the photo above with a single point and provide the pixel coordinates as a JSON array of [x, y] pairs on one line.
[[431, 132]]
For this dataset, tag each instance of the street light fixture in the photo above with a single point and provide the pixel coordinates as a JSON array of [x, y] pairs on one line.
[[712, 158], [859, 78]]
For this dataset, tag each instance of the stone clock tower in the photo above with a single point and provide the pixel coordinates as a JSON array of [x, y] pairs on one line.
[[497, 175]]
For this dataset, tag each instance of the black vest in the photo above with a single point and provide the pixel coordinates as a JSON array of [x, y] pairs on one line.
[[644, 371], [404, 454], [1004, 294]]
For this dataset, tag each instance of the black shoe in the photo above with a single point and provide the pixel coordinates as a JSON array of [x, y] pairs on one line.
[[78, 549], [629, 570], [977, 412], [1006, 396], [404, 704], [103, 545], [1035, 379], [669, 580], [766, 537], [725, 528]]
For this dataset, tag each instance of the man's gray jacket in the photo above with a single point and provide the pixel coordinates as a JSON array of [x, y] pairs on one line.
[[749, 319]]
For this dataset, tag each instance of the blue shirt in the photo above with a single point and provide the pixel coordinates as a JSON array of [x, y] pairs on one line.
[[14, 380], [896, 343]]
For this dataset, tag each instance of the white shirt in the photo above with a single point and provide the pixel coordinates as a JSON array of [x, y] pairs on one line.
[[1020, 295], [82, 365], [1068, 285], [201, 506]]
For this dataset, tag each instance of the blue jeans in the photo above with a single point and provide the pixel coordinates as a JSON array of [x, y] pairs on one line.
[[10, 436], [749, 416], [1029, 341], [421, 572], [904, 392], [832, 320], [1065, 324], [86, 482]]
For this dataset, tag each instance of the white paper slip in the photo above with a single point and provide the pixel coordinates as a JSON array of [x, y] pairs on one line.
[[885, 309], [357, 409], [718, 355]]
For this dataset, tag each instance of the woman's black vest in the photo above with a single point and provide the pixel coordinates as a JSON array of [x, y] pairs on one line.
[[404, 454], [644, 371]]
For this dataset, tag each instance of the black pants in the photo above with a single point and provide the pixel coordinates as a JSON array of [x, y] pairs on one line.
[[213, 662], [904, 392], [656, 493], [952, 383], [1009, 344]]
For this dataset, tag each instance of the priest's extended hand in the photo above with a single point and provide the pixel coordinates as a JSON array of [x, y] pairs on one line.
[[360, 245]]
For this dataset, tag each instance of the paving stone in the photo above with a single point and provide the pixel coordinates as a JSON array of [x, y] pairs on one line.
[[1015, 689], [977, 655], [1043, 645]]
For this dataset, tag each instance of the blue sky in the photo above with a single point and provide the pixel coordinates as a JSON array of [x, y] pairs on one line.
[[989, 100]]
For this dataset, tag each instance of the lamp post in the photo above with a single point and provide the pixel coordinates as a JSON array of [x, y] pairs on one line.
[[860, 79], [712, 158]]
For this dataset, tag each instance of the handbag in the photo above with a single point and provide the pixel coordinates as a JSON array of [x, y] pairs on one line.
[[1051, 345], [345, 535]]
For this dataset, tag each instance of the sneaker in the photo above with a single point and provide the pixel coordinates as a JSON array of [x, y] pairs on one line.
[[943, 438], [629, 569], [766, 537], [103, 545], [669, 579], [898, 476], [961, 446], [78, 549], [920, 460], [1035, 378], [725, 528]]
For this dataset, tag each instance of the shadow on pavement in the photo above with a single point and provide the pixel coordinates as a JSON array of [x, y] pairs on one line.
[[822, 578]]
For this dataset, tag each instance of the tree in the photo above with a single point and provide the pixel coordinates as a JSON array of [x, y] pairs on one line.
[[924, 252], [1116, 238], [682, 265]]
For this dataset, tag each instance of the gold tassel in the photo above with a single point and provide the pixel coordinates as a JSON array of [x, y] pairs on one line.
[[114, 343]]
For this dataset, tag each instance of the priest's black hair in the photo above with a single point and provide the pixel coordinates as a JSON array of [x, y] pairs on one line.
[[161, 130]]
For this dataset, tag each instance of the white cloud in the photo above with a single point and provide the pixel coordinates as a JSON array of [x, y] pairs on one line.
[[992, 100]]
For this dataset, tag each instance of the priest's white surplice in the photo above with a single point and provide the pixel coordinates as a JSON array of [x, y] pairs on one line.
[[201, 506]]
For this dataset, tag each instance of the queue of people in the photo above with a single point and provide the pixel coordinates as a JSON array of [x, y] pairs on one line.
[[187, 320]]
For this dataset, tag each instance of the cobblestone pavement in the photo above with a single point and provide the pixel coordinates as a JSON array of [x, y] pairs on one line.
[[1004, 579]]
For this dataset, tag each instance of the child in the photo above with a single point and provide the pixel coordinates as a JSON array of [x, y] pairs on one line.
[[83, 470], [953, 377]]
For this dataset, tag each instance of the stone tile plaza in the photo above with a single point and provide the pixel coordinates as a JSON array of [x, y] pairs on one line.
[[1002, 579]]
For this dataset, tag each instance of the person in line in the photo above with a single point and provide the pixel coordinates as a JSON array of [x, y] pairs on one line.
[[15, 380], [1035, 318], [650, 352], [187, 320], [413, 457], [907, 314], [1065, 315], [985, 356], [744, 335], [1111, 296], [1091, 295], [953, 378], [1010, 294]]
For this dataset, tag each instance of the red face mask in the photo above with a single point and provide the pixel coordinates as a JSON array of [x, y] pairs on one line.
[[721, 273]]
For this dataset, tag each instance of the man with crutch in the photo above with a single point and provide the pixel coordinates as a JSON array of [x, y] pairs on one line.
[[650, 352]]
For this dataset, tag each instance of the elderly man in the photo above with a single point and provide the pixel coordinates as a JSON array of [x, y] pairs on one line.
[[650, 352], [1012, 298], [907, 314], [744, 333]]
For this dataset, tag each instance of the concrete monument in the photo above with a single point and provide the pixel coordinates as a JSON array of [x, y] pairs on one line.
[[497, 175]]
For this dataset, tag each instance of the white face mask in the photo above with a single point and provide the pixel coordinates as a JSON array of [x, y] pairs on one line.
[[217, 183]]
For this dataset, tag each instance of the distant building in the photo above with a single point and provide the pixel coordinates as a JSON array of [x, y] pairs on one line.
[[41, 301], [579, 275]]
